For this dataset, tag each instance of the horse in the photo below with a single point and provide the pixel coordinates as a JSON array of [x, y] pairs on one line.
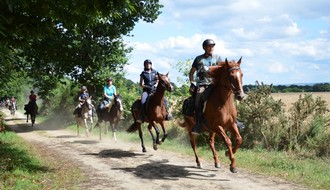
[[155, 112], [31, 110], [219, 110], [12, 107], [85, 115], [113, 116]]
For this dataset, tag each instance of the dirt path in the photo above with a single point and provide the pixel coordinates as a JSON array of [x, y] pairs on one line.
[[121, 165]]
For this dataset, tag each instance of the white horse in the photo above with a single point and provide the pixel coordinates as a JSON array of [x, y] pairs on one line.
[[85, 117]]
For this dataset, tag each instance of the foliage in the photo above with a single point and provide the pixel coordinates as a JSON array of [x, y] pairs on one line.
[[51, 40], [318, 87], [304, 129], [263, 117]]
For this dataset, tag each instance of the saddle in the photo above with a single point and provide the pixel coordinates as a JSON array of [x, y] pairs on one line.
[[188, 106]]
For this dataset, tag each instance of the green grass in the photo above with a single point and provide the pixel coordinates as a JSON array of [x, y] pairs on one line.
[[22, 167]]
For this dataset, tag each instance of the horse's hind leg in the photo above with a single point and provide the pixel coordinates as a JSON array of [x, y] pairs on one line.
[[141, 138]]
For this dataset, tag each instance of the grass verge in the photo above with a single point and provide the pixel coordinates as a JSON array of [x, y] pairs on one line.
[[25, 166]]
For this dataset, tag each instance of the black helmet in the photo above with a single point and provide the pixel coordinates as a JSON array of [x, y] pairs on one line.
[[147, 61], [83, 88], [32, 91], [109, 79], [208, 42]]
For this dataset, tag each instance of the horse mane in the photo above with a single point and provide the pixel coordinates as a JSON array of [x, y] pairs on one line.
[[220, 71]]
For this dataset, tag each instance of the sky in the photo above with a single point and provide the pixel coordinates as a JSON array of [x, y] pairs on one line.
[[281, 41]]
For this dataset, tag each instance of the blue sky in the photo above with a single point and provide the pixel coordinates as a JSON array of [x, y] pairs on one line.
[[281, 41]]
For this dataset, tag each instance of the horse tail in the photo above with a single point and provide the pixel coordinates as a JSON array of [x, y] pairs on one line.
[[134, 127]]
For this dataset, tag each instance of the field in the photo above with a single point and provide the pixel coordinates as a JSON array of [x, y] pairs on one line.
[[289, 98]]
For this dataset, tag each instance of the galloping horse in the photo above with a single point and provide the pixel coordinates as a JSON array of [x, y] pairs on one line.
[[86, 114], [31, 109], [219, 110], [113, 117], [155, 112]]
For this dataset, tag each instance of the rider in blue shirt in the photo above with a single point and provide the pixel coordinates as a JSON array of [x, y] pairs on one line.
[[202, 81], [109, 92]]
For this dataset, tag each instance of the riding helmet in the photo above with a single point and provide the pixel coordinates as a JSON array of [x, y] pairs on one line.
[[208, 42], [32, 91], [109, 79], [147, 61], [84, 88]]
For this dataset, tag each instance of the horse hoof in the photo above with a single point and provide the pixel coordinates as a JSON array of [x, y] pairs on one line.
[[155, 147], [144, 150], [199, 165], [233, 170], [217, 165]]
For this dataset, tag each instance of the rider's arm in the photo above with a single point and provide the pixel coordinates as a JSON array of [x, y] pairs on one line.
[[191, 74]]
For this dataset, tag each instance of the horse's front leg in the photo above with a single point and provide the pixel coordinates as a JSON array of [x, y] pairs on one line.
[[86, 128], [164, 131], [27, 118], [237, 136], [229, 153], [154, 140], [215, 155]]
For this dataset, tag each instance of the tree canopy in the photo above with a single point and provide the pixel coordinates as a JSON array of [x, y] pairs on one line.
[[81, 40]]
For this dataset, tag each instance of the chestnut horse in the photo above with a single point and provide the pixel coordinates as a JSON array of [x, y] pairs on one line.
[[113, 116], [155, 112], [219, 110]]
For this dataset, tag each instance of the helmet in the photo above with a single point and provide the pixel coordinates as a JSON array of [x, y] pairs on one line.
[[32, 91], [83, 88], [147, 61], [109, 79], [208, 42]]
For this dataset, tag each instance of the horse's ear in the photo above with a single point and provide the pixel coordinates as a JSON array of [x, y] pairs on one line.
[[239, 61], [167, 74]]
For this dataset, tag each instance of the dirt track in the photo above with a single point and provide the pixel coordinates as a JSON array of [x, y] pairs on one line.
[[122, 165]]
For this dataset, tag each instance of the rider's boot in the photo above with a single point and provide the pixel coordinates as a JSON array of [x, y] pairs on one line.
[[197, 129]]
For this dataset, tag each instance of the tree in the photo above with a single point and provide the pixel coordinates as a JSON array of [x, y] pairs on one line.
[[75, 39]]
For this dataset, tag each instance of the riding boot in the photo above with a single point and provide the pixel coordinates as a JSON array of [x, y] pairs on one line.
[[199, 121]]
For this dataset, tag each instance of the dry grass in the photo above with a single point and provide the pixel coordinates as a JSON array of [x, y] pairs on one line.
[[289, 98]]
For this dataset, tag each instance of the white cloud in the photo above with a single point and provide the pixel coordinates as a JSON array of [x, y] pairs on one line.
[[274, 37]]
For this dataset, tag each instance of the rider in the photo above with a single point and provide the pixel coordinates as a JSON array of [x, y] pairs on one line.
[[32, 99], [109, 92], [203, 82], [13, 102], [82, 98], [149, 82]]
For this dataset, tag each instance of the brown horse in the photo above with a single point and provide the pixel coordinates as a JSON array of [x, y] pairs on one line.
[[155, 112], [113, 117], [219, 110]]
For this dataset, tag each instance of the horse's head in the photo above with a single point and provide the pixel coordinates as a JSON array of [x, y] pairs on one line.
[[88, 102], [165, 82], [118, 102], [229, 74]]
